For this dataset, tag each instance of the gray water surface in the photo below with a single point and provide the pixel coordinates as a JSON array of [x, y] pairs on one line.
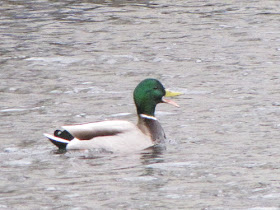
[[70, 62]]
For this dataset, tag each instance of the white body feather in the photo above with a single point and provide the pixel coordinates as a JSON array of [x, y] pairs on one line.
[[115, 136]]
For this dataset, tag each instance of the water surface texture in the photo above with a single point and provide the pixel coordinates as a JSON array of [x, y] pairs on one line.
[[65, 62]]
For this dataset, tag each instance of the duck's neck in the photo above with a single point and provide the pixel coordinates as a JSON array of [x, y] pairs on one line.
[[149, 125], [145, 116], [146, 109]]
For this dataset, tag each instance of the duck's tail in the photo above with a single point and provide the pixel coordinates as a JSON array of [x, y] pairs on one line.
[[60, 138]]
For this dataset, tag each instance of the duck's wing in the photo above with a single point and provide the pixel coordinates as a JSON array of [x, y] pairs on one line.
[[105, 128]]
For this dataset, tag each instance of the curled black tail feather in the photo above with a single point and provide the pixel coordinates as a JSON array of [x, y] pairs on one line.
[[63, 134], [64, 137]]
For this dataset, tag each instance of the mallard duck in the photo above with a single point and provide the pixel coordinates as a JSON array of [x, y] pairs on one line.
[[120, 135]]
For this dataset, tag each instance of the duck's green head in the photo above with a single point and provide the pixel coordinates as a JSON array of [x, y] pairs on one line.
[[148, 94]]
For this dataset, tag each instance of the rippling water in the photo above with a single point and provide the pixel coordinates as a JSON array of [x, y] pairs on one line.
[[66, 62]]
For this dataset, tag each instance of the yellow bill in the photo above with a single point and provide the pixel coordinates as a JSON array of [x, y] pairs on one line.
[[169, 93]]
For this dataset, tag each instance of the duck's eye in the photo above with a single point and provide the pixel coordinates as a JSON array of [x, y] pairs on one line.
[[155, 88]]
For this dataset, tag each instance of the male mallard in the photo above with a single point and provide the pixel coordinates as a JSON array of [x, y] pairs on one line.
[[120, 135]]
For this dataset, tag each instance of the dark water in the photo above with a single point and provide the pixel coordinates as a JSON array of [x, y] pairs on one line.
[[66, 62]]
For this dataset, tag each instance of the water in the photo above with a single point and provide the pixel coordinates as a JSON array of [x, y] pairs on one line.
[[65, 62]]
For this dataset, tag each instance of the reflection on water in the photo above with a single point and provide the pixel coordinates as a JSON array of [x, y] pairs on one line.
[[71, 62]]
